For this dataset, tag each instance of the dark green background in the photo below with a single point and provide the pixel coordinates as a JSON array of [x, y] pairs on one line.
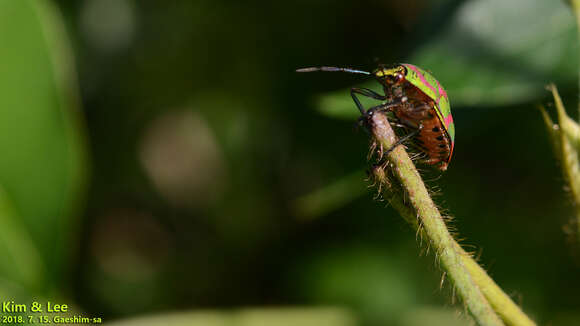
[[173, 172]]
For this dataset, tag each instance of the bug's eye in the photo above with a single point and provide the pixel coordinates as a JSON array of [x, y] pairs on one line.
[[395, 79], [399, 78]]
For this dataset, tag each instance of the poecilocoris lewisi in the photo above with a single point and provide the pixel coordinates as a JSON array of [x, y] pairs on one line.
[[418, 102]]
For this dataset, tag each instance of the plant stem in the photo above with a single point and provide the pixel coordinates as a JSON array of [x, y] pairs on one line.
[[568, 142], [503, 305], [473, 284]]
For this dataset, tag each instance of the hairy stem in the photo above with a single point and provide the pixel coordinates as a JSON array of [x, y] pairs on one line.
[[568, 142], [508, 311], [480, 294]]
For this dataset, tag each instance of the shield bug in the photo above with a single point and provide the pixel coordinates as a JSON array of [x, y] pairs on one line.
[[419, 104]]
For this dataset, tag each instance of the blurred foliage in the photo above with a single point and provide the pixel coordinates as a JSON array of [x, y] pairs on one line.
[[250, 317], [42, 169], [203, 143], [492, 53]]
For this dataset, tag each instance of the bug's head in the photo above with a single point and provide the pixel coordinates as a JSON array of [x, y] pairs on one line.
[[391, 76]]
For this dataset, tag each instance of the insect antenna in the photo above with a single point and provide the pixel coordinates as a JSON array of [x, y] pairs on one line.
[[349, 70]]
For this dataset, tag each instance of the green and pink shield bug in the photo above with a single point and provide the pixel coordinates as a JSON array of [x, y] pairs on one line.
[[419, 104]]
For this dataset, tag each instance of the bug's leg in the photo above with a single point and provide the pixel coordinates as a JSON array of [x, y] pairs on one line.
[[364, 119], [404, 139], [365, 92], [398, 125], [368, 93], [388, 106]]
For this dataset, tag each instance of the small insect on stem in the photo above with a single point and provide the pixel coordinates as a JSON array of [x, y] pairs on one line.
[[418, 102]]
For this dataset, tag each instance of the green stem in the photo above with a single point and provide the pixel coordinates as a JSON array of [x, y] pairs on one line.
[[464, 274], [503, 305], [568, 140]]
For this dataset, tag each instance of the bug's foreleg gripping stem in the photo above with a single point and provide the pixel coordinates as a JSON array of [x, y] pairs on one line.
[[364, 92]]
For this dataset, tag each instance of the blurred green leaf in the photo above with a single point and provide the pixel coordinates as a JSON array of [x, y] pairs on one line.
[[498, 53], [21, 263], [295, 316], [43, 166], [249, 317], [434, 316], [375, 282], [492, 53], [566, 318], [333, 196]]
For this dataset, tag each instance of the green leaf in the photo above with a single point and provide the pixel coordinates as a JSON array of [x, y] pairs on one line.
[[492, 53], [321, 316], [501, 52], [434, 316], [332, 196], [43, 161], [375, 282], [21, 263]]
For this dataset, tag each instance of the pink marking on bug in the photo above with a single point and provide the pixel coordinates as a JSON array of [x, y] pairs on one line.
[[442, 92], [424, 81], [448, 120]]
